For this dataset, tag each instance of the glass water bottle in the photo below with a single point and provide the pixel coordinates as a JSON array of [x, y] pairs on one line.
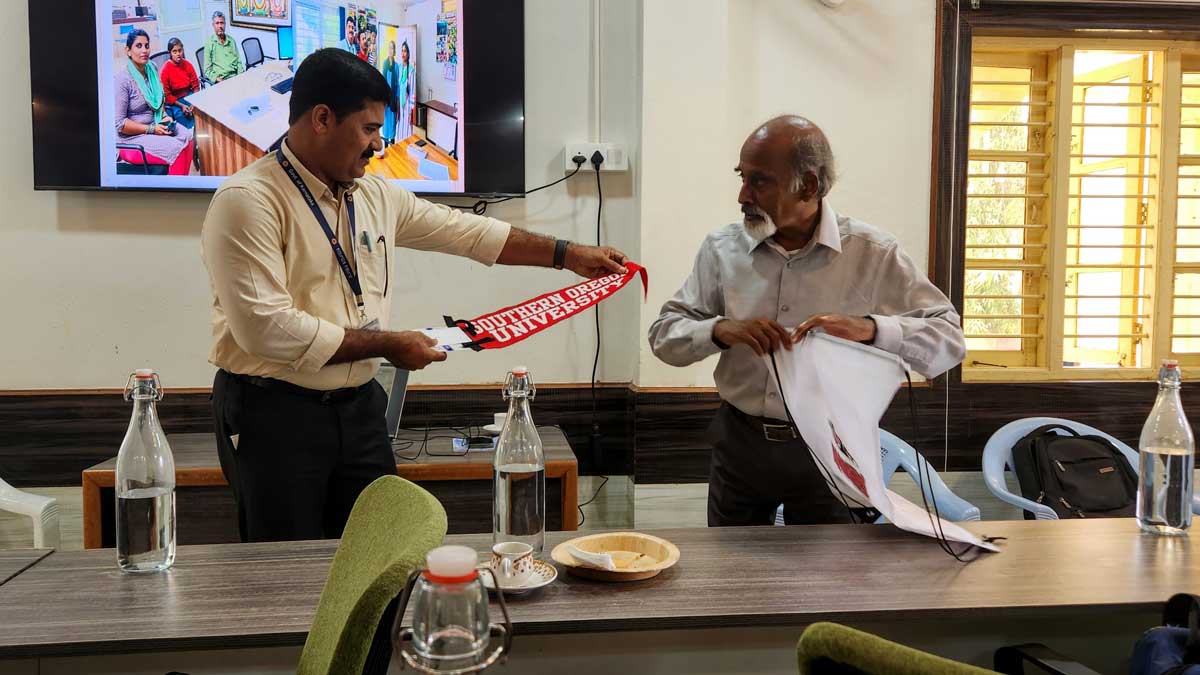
[[145, 489], [519, 470], [1164, 502]]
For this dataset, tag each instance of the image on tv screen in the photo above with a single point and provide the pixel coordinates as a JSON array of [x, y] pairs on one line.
[[191, 91]]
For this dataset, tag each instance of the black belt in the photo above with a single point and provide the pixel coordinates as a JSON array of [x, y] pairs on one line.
[[778, 431], [330, 396]]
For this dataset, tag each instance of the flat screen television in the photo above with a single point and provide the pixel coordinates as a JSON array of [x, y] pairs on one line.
[[457, 128]]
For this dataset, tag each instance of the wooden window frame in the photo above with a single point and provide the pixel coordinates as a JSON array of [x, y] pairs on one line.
[[959, 24]]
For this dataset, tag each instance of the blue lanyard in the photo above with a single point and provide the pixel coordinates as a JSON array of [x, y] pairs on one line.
[[338, 251]]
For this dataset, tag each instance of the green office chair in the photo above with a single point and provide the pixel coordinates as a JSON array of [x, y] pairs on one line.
[[393, 525], [832, 649]]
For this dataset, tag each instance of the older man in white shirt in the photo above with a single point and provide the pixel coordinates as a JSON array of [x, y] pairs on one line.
[[793, 265]]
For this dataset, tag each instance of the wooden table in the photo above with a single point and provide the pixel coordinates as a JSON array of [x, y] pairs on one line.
[[15, 561], [227, 141], [738, 596], [206, 513], [396, 161]]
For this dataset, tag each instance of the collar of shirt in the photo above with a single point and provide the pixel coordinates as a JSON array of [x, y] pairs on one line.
[[315, 185], [828, 234]]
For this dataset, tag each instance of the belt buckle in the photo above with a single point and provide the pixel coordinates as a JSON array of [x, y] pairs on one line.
[[779, 433]]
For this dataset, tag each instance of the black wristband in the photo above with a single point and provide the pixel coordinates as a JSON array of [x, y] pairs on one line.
[[560, 253]]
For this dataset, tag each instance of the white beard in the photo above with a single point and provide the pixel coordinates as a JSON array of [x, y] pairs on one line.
[[760, 229]]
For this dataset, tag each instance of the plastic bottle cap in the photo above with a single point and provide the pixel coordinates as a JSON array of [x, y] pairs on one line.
[[144, 373], [520, 371], [1170, 363], [451, 561]]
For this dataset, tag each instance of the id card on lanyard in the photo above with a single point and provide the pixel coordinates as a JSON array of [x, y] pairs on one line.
[[338, 252]]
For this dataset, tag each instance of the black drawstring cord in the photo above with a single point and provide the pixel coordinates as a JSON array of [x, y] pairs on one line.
[[829, 480], [935, 518]]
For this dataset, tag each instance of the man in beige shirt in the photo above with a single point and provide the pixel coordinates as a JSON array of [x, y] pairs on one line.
[[298, 251]]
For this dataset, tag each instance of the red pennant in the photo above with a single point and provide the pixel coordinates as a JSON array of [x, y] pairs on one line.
[[508, 326]]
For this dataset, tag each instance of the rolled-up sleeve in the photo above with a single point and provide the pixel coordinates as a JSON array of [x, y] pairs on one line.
[[426, 226], [682, 333], [913, 319], [243, 252]]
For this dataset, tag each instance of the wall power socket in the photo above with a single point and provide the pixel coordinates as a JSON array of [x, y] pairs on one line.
[[616, 158]]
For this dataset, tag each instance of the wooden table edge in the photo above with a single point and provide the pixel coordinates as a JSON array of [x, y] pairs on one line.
[[606, 625], [170, 644]]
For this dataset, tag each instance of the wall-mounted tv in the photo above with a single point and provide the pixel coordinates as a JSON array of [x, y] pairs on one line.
[[187, 92]]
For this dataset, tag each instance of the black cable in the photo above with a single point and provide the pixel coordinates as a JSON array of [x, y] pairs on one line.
[[923, 478], [597, 160], [582, 516], [480, 207], [935, 517], [596, 359], [423, 448]]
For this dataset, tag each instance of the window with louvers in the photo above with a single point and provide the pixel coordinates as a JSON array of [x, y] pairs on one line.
[[1082, 209]]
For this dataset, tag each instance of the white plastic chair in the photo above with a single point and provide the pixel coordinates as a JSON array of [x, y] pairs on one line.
[[997, 457], [895, 453], [42, 510]]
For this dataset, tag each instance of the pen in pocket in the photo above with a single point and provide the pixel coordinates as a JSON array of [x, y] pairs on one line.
[[387, 264]]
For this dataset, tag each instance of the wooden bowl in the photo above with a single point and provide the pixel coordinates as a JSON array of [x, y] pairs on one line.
[[636, 555]]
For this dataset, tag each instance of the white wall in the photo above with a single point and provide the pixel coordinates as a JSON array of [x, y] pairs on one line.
[[863, 72], [97, 284]]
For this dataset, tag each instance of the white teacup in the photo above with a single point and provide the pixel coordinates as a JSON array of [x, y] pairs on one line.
[[498, 419], [512, 563]]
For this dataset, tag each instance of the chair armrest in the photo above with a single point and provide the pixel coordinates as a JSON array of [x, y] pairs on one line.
[[43, 511], [1011, 660], [948, 505], [23, 503]]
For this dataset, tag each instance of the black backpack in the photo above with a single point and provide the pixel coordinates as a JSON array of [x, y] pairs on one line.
[[1077, 476]]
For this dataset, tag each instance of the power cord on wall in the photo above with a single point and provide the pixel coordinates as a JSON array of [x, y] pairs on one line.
[[596, 159], [479, 208]]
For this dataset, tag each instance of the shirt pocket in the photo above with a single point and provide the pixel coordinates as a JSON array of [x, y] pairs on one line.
[[374, 263], [743, 305]]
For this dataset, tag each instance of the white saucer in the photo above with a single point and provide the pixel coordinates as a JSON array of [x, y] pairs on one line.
[[491, 429], [543, 575]]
